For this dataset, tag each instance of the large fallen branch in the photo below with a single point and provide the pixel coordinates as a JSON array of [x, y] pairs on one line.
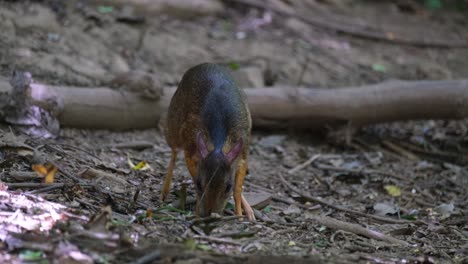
[[275, 107], [366, 30]]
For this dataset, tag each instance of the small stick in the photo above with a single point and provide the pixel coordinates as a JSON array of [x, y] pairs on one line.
[[357, 229], [398, 149], [73, 177], [90, 173], [148, 258], [132, 145], [91, 206], [47, 189], [77, 148], [378, 148], [364, 171], [33, 185], [217, 240], [282, 200], [320, 201], [435, 152], [213, 219], [303, 165], [25, 175], [239, 234]]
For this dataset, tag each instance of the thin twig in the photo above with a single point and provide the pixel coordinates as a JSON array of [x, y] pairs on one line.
[[77, 148], [33, 185], [47, 189], [435, 152], [217, 240], [73, 177], [325, 203], [24, 175], [303, 165], [282, 200], [149, 258], [357, 229], [214, 219], [398, 149], [354, 29], [131, 145], [364, 171], [238, 234]]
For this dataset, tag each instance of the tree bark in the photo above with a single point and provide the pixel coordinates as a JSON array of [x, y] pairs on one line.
[[275, 107]]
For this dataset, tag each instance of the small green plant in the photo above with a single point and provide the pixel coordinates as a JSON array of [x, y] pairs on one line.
[[433, 4], [33, 256]]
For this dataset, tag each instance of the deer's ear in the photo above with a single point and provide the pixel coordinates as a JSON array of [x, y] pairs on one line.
[[234, 152], [201, 146]]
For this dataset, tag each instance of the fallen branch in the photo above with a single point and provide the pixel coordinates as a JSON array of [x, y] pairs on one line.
[[353, 28], [33, 185], [275, 107], [325, 203], [218, 240], [357, 229], [25, 175], [363, 171], [303, 165], [399, 150]]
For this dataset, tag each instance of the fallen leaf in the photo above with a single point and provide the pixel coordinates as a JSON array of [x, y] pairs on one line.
[[149, 213], [204, 247], [100, 222], [445, 209], [30, 255], [271, 141], [234, 66], [378, 67], [384, 209], [105, 9], [433, 4], [390, 35], [142, 165], [190, 243], [292, 209], [393, 190], [258, 200], [47, 171]]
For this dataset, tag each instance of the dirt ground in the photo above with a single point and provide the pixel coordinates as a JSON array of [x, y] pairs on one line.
[[412, 174]]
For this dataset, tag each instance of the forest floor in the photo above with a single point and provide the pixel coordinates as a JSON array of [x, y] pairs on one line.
[[407, 181]]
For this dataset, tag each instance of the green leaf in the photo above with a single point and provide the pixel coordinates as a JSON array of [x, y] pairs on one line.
[[119, 222], [170, 208], [229, 205], [410, 217], [31, 255], [203, 247], [190, 243], [378, 67], [393, 190], [105, 9], [433, 4], [321, 244], [267, 209], [234, 66]]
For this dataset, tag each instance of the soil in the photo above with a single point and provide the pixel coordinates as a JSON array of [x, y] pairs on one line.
[[414, 171]]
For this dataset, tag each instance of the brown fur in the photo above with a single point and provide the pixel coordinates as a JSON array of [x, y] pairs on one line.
[[199, 85]]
